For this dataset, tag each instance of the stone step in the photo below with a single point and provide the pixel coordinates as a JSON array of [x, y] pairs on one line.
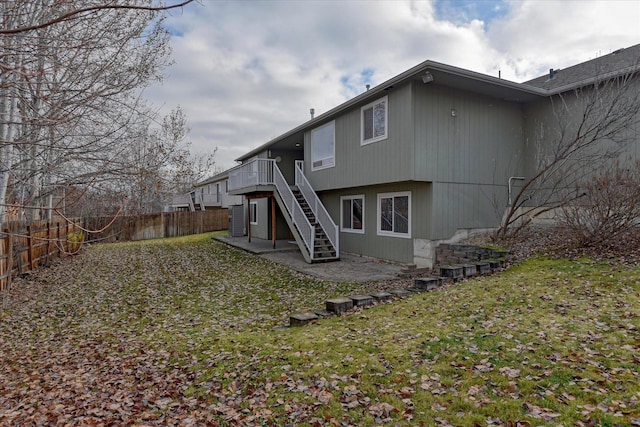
[[339, 305], [496, 264], [427, 283], [451, 271], [382, 296], [400, 293], [469, 270], [301, 319], [483, 267], [361, 300], [323, 314]]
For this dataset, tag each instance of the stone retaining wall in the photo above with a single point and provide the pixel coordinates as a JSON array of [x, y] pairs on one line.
[[465, 254]]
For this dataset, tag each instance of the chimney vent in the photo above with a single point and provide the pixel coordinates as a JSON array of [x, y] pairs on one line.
[[552, 73], [312, 112], [368, 86]]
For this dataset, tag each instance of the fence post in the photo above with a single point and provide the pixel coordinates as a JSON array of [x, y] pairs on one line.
[[46, 260], [9, 258], [59, 245], [30, 247], [3, 263]]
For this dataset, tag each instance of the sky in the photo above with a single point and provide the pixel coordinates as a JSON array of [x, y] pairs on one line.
[[247, 71]]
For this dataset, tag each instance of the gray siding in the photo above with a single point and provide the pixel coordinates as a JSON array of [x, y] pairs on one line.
[[481, 144], [370, 244], [262, 230], [468, 146], [469, 157], [466, 206], [384, 161], [543, 131], [287, 162]]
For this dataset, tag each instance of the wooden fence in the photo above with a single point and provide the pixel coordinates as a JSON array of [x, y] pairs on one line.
[[25, 246], [156, 226]]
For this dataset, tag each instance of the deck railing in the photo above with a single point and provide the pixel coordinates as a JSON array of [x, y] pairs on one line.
[[254, 172], [319, 211]]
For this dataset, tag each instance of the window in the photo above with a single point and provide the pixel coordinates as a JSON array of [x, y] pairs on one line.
[[323, 147], [394, 211], [253, 213], [218, 193], [352, 214], [374, 121]]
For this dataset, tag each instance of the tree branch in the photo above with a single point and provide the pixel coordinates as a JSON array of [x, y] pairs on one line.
[[74, 13]]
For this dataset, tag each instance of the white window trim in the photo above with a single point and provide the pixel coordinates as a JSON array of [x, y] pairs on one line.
[[351, 230], [386, 121], [251, 204], [381, 232], [333, 154]]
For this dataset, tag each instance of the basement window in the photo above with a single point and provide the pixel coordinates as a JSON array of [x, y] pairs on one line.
[[352, 214], [394, 210]]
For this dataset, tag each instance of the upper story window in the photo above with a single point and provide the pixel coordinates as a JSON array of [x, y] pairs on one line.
[[374, 120], [323, 146]]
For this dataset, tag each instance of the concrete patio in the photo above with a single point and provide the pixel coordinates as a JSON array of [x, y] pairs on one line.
[[350, 268]]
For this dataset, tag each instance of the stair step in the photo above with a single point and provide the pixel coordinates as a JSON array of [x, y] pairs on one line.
[[301, 319], [339, 305], [362, 300], [427, 283]]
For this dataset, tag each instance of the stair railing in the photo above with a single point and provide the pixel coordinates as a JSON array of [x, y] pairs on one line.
[[319, 211], [300, 220], [191, 199]]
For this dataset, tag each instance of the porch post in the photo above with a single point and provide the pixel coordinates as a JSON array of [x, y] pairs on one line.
[[249, 218], [273, 220]]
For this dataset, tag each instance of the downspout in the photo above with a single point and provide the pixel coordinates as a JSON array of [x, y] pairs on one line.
[[519, 178]]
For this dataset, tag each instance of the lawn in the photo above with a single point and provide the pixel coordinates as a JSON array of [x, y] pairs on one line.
[[185, 331]]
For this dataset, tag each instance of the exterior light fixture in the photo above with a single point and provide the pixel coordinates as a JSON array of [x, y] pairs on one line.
[[427, 77]]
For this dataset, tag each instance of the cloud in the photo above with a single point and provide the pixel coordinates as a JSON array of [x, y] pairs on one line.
[[248, 71]]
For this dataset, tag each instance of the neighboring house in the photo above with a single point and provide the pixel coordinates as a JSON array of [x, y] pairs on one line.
[[212, 193], [423, 158]]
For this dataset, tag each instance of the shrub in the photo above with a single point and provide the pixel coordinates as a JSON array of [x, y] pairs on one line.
[[608, 207], [74, 242]]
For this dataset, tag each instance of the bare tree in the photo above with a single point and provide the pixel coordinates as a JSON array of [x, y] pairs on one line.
[[76, 11], [162, 164], [590, 127], [70, 80]]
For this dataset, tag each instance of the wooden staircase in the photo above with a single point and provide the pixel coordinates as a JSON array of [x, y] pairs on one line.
[[323, 250]]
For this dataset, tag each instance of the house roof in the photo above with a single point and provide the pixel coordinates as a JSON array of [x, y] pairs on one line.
[[470, 81], [618, 62], [218, 177]]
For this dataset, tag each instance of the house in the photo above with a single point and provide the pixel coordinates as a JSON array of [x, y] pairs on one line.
[[423, 158], [212, 193]]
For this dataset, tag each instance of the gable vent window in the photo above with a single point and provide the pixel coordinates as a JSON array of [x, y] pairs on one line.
[[323, 147], [374, 120]]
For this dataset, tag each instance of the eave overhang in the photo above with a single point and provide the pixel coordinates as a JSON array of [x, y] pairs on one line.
[[443, 75]]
